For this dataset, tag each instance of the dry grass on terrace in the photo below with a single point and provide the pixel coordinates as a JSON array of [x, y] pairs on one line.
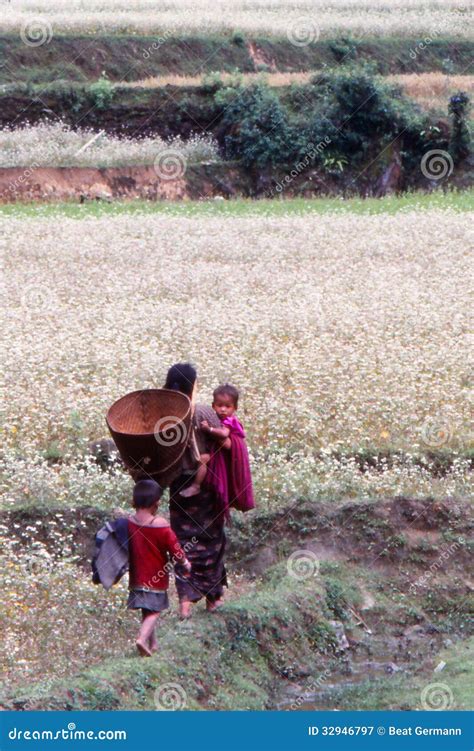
[[430, 90]]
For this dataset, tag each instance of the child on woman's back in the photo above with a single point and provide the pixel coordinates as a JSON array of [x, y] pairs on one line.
[[152, 544], [221, 435], [227, 470]]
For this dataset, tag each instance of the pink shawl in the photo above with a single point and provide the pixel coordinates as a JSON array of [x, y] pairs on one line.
[[228, 471]]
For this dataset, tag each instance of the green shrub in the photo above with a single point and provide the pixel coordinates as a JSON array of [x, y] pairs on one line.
[[238, 38], [343, 48], [335, 599], [362, 115], [460, 141], [211, 83], [254, 126], [72, 97], [345, 119], [102, 92]]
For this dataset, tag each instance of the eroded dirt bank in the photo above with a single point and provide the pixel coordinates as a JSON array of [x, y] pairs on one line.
[[90, 183], [200, 181]]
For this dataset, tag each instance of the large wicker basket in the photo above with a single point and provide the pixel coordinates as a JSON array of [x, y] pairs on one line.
[[151, 430]]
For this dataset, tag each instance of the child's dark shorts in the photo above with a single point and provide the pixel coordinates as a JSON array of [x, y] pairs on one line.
[[144, 599]]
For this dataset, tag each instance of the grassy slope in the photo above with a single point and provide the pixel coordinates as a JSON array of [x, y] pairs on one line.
[[128, 58], [236, 660], [458, 201], [214, 659], [402, 692], [276, 634]]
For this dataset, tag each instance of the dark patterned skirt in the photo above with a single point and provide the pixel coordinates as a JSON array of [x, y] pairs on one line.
[[198, 523]]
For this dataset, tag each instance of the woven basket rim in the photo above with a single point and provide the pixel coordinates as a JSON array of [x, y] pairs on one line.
[[178, 394]]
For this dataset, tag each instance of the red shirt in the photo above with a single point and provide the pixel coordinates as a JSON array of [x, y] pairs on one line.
[[150, 549]]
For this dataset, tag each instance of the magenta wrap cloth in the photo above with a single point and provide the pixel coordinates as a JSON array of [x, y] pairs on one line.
[[228, 471]]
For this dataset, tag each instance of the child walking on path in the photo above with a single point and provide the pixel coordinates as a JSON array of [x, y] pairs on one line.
[[227, 470], [153, 547]]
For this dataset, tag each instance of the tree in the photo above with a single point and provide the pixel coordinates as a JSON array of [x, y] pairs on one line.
[[254, 126], [460, 141]]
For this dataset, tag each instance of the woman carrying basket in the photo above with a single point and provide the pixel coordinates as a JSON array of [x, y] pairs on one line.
[[198, 520]]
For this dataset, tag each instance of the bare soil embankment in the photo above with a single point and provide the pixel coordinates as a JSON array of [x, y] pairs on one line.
[[91, 183], [199, 182]]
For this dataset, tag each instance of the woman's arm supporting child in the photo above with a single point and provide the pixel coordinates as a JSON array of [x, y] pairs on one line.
[[220, 435]]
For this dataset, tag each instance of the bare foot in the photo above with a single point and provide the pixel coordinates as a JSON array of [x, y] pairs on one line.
[[143, 649], [189, 492], [212, 606], [153, 646], [184, 610]]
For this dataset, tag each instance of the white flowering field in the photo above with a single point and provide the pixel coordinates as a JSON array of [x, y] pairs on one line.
[[317, 17], [345, 333], [57, 145]]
